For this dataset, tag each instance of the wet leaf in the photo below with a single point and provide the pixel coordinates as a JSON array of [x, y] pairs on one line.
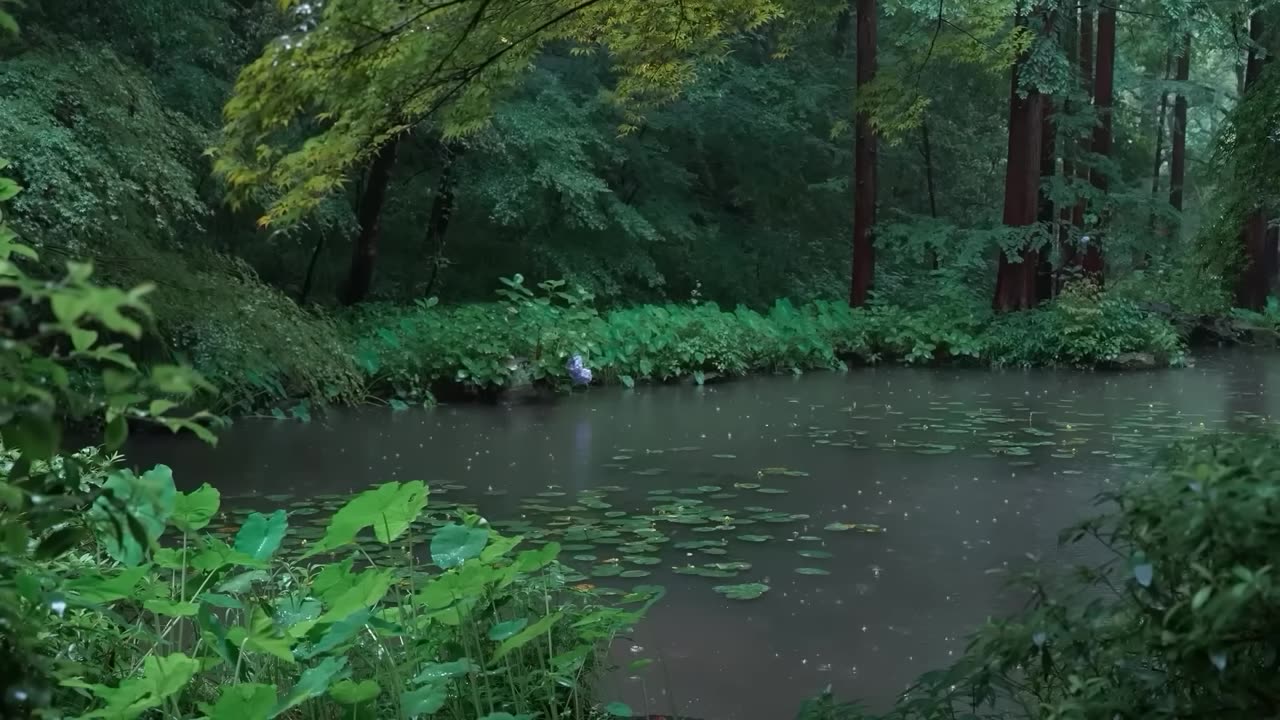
[[260, 536], [454, 544], [745, 591], [815, 554], [812, 571]]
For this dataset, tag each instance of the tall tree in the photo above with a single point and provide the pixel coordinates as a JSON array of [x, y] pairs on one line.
[[1251, 286], [1016, 275], [865, 151], [1157, 161], [1048, 168], [1072, 256], [1178, 128], [1103, 103], [364, 253]]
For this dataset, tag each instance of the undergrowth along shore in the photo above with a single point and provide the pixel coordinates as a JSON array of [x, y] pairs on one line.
[[408, 354]]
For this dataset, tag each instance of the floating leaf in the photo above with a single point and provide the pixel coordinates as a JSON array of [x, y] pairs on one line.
[[745, 591], [816, 554], [755, 538], [812, 571]]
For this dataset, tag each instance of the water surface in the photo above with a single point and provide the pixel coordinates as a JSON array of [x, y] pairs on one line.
[[967, 472]]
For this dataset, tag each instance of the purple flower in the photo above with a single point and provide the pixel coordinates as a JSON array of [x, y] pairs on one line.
[[579, 374]]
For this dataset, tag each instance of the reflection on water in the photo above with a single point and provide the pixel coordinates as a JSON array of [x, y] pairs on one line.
[[968, 472]]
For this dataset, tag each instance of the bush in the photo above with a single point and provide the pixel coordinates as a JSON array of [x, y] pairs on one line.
[[528, 336], [1182, 622], [1084, 327]]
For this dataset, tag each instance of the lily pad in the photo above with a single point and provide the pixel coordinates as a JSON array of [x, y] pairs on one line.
[[745, 591], [812, 571], [815, 554], [755, 538]]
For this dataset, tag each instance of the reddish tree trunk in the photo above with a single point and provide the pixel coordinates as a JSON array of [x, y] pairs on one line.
[[369, 215], [1251, 287], [1016, 276], [1178, 131], [1103, 101], [864, 195]]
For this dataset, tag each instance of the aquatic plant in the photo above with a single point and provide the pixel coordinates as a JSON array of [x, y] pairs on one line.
[[389, 612]]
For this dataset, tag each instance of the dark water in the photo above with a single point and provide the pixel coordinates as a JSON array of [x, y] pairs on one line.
[[967, 472]]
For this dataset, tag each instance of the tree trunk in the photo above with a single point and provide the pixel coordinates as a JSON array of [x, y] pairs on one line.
[[441, 212], [1072, 258], [1016, 276], [369, 215], [1251, 287], [1044, 202], [1158, 161], [926, 150], [1178, 132], [1103, 101], [864, 200], [309, 280]]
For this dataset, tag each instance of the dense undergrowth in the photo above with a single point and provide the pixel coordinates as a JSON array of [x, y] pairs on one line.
[[407, 353]]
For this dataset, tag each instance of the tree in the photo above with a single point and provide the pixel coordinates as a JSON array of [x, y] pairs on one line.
[[865, 150], [1178, 131], [1103, 102], [1252, 284], [364, 252], [1016, 275]]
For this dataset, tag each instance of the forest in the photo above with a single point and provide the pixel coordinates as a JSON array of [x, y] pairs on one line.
[[215, 213]]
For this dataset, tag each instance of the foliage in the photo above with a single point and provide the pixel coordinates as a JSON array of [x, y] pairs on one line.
[[364, 79], [1085, 327], [1180, 622], [368, 632], [54, 332], [497, 346]]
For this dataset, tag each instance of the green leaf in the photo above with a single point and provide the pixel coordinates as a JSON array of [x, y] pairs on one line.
[[162, 677], [193, 511], [359, 592], [170, 608], [260, 536], [506, 716], [244, 701], [618, 709], [116, 432], [337, 634], [389, 509], [133, 511], [525, 636], [435, 672], [504, 630], [423, 701], [261, 635], [95, 589], [8, 188], [313, 683], [455, 544], [745, 591], [350, 692]]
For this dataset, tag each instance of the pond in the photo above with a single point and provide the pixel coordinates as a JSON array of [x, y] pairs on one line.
[[885, 508]]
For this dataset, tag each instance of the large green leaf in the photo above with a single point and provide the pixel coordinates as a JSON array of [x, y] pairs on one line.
[[525, 636], [455, 544], [193, 511], [359, 593], [261, 635], [161, 678], [245, 701], [350, 692], [133, 511], [94, 588], [389, 509], [423, 701], [261, 535], [336, 635], [313, 683]]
